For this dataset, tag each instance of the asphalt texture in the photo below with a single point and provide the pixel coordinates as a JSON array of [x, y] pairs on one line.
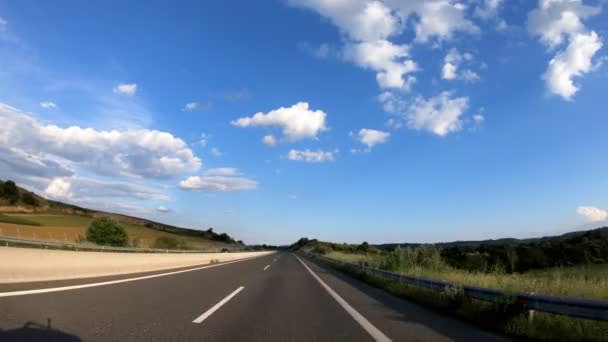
[[283, 302]]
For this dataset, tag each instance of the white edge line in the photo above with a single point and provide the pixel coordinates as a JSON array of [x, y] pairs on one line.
[[214, 308], [110, 282], [374, 332], [265, 268]]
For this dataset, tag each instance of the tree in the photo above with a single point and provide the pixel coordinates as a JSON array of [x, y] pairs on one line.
[[364, 247], [107, 232], [29, 198], [10, 191]]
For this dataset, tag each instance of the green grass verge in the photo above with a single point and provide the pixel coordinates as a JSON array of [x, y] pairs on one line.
[[506, 317], [18, 220]]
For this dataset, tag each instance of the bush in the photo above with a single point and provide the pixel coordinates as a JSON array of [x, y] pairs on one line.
[[29, 199], [107, 232], [166, 242], [10, 191]]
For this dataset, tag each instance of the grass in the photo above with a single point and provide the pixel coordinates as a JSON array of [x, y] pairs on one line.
[[71, 228], [589, 281], [582, 281], [18, 220]]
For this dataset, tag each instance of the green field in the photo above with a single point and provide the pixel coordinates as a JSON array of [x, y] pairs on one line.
[[71, 228]]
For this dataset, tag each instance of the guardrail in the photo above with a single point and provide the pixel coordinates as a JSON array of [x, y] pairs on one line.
[[573, 307], [17, 242]]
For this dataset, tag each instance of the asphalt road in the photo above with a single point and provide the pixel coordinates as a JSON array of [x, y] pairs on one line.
[[270, 298]]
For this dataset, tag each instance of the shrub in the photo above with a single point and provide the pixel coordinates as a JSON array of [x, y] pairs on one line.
[[29, 199], [10, 191], [107, 232]]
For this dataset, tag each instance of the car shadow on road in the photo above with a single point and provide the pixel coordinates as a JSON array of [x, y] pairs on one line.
[[32, 331], [451, 327]]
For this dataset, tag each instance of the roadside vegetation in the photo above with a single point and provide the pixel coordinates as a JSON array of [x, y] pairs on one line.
[[105, 231], [25, 215], [586, 279]]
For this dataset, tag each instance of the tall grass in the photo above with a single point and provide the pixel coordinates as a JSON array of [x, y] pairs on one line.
[[588, 281], [582, 281]]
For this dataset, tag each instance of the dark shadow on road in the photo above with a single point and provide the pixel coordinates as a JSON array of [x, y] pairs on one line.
[[451, 326], [32, 331]]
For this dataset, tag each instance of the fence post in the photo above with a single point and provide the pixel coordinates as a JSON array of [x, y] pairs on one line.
[[531, 313]]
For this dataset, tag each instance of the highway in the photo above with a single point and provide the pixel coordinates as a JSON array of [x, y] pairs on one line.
[[277, 297]]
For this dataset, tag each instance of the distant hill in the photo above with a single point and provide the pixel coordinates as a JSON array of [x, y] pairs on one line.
[[15, 199], [493, 242]]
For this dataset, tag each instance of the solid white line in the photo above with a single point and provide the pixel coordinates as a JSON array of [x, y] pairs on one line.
[[209, 312], [82, 286], [374, 332], [265, 268]]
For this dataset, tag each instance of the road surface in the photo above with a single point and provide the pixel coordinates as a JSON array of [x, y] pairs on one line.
[[276, 297]]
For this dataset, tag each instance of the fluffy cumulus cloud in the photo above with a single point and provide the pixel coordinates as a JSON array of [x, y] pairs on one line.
[[133, 153], [439, 115], [310, 156], [48, 105], [574, 61], [218, 183], [296, 122], [372, 137], [556, 22], [451, 63], [163, 209], [390, 61], [592, 214], [370, 26], [126, 89]]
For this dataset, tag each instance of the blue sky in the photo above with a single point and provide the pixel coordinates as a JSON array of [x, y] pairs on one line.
[[383, 121]]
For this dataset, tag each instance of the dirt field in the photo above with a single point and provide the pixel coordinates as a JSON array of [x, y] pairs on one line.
[[26, 264]]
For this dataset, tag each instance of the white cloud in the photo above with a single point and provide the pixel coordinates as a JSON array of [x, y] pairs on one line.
[[360, 20], [126, 89], [218, 183], [76, 189], [452, 61], [441, 19], [439, 115], [134, 153], [556, 21], [59, 188], [574, 61], [372, 137], [204, 139], [222, 171], [488, 9], [391, 102], [216, 152], [3, 24], [310, 156], [48, 105], [391, 62], [592, 214], [163, 209], [192, 106], [297, 122], [478, 119], [269, 140]]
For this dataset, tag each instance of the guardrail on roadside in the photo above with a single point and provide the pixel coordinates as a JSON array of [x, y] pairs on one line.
[[573, 307], [16, 242]]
